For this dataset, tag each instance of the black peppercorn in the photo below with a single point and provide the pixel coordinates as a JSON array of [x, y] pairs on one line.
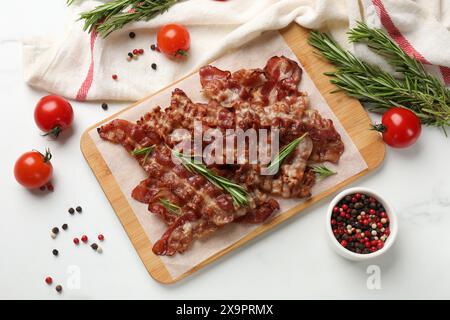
[[104, 106], [58, 288], [55, 252], [130, 54], [153, 47], [154, 66], [55, 230], [64, 226], [94, 246], [79, 209], [71, 210], [132, 35]]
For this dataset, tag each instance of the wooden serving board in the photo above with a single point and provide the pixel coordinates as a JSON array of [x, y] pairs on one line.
[[349, 112]]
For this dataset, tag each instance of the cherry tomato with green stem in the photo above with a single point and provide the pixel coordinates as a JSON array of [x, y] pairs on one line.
[[34, 169], [174, 40], [53, 114], [400, 127]]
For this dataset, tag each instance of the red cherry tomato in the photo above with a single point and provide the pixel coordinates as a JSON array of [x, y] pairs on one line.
[[53, 114], [400, 127], [174, 40], [33, 169]]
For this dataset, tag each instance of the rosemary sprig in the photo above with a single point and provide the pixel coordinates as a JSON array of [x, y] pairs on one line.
[[238, 193], [171, 207], [284, 152], [143, 152], [114, 15], [418, 91], [322, 171]]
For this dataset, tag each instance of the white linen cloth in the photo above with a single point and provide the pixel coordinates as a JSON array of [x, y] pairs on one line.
[[80, 66]]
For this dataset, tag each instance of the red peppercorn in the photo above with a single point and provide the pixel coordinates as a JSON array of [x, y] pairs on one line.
[[50, 187], [101, 237], [354, 199], [135, 51], [115, 77], [141, 51], [371, 211], [49, 280], [358, 196], [367, 244], [347, 216], [343, 243], [336, 209], [373, 249], [76, 240], [342, 214], [333, 222], [345, 207], [383, 214], [379, 225], [84, 238]]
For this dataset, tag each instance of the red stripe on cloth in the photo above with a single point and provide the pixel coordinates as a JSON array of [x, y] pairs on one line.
[[87, 83], [445, 74], [406, 46], [395, 33]]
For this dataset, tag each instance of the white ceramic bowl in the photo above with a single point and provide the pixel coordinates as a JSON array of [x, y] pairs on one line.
[[392, 225]]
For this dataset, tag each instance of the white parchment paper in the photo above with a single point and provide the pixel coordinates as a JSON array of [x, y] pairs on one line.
[[128, 173]]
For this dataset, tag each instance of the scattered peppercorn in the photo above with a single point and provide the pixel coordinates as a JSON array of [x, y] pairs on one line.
[[94, 246], [55, 252], [135, 52], [50, 187], [49, 280], [42, 188], [58, 288], [360, 224], [132, 35], [53, 235], [141, 51], [153, 47], [76, 241], [154, 66], [99, 250], [79, 209], [104, 106], [101, 237], [55, 230], [64, 226], [115, 76], [71, 210], [84, 239]]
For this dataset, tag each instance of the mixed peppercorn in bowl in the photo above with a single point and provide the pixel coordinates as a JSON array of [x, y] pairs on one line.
[[361, 224]]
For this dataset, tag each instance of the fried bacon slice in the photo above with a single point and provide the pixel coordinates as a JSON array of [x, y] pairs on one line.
[[265, 98]]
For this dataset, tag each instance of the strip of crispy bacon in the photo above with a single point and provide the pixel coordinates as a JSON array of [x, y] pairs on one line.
[[255, 98]]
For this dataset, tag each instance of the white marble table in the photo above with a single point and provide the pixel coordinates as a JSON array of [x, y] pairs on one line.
[[292, 262]]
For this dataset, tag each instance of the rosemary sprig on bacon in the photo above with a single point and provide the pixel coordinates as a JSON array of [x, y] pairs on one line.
[[283, 154], [171, 207], [237, 192], [143, 152], [417, 90], [322, 171]]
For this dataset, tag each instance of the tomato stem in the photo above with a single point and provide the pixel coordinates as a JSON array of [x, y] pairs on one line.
[[48, 155], [54, 132], [181, 53], [379, 127]]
